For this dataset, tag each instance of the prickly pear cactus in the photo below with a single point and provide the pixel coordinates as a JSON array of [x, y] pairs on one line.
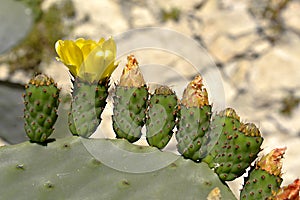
[[91, 64], [41, 100], [237, 146], [64, 169], [264, 178], [161, 117], [89, 100], [130, 102], [194, 119]]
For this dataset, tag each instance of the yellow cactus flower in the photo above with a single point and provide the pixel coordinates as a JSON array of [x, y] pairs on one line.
[[88, 59]]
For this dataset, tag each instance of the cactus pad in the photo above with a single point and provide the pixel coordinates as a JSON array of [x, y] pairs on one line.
[[41, 104], [161, 117], [264, 178], [71, 172], [130, 102], [89, 100], [194, 119], [237, 145]]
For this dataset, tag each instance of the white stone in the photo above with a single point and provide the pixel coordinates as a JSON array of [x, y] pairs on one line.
[[3, 143], [291, 15], [20, 77], [277, 69], [226, 22], [237, 72], [103, 14], [261, 47], [4, 71], [141, 17], [224, 48], [230, 91]]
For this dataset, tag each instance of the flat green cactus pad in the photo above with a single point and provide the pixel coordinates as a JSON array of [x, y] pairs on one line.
[[64, 169]]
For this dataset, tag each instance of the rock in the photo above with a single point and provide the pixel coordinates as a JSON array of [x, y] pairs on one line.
[[259, 47], [291, 15], [278, 69], [141, 17], [287, 125], [237, 73], [224, 47], [225, 22], [104, 19], [20, 77], [4, 71], [230, 91], [2, 142]]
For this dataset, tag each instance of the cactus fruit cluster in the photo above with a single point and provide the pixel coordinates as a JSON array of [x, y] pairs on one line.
[[41, 100], [214, 148]]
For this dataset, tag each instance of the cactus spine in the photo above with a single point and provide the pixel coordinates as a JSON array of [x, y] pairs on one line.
[[237, 146], [161, 116], [41, 101], [264, 178], [130, 102], [194, 119]]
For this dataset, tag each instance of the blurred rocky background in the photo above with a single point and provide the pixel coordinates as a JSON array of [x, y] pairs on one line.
[[254, 43]]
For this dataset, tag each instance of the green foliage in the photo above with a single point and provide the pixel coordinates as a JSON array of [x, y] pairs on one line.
[[172, 14], [289, 103]]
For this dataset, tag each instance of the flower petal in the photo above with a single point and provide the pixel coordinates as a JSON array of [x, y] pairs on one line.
[[70, 54]]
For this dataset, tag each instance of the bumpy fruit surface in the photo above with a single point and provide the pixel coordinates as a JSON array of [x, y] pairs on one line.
[[130, 102], [236, 147], [89, 100], [194, 119], [264, 178], [41, 104], [161, 117]]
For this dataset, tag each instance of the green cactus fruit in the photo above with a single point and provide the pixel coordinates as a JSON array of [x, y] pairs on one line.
[[264, 178], [89, 100], [130, 102], [194, 119], [237, 145], [161, 117], [64, 169], [41, 101]]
